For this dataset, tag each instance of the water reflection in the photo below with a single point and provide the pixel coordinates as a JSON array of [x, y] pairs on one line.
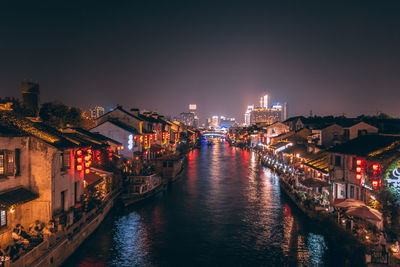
[[226, 210]]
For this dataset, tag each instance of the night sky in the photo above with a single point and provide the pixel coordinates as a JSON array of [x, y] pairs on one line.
[[331, 58]]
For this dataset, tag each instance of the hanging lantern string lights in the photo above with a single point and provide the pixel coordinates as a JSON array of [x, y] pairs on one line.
[[83, 160]]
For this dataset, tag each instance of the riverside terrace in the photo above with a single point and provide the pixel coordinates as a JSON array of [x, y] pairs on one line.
[[353, 185]]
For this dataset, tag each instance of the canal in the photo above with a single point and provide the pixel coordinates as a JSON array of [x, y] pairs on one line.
[[225, 210]]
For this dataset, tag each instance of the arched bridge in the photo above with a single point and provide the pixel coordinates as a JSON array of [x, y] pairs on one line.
[[214, 133]]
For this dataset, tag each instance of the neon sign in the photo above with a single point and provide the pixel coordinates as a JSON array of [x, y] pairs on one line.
[[130, 142], [392, 176]]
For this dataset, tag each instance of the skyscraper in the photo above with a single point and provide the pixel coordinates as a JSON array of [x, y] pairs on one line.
[[187, 118], [266, 115], [215, 122], [193, 109], [247, 115], [264, 101]]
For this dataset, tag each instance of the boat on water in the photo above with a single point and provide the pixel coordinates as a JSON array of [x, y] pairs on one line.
[[170, 166], [140, 187]]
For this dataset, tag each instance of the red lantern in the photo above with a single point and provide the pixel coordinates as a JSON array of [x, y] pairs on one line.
[[375, 184], [79, 153], [79, 167], [87, 171]]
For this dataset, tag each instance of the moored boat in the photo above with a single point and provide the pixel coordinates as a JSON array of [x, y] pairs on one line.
[[138, 188], [170, 166]]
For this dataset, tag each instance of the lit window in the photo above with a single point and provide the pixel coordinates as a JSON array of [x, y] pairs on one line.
[[3, 218], [2, 165], [7, 164]]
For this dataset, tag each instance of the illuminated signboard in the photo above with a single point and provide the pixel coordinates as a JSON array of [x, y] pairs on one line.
[[392, 176], [130, 142]]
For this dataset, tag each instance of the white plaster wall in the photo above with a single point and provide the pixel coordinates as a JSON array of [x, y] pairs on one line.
[[114, 132]]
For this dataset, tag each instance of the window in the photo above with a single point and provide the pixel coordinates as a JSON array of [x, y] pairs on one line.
[[362, 132], [170, 164], [76, 192], [164, 164], [63, 200], [351, 191], [3, 218], [7, 164], [65, 160], [346, 134], [337, 161], [2, 164]]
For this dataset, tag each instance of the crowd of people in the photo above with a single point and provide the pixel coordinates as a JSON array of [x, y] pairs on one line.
[[23, 240]]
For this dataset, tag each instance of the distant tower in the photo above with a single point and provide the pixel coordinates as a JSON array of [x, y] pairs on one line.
[[285, 111], [31, 97], [192, 108], [96, 112]]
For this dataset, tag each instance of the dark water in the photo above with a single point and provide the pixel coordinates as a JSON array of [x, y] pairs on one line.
[[225, 210]]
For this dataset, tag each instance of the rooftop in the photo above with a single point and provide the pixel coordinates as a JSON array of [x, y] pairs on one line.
[[366, 145]]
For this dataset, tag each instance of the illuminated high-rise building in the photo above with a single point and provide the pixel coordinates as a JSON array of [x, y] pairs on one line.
[[215, 122], [264, 101], [247, 115], [187, 118], [192, 108], [226, 123], [266, 115]]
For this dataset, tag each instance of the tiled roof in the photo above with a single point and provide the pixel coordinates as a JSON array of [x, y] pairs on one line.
[[16, 196], [12, 123], [96, 138], [366, 145], [122, 110]]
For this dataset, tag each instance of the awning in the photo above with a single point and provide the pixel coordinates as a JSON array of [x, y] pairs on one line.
[[93, 178], [320, 162], [348, 203], [314, 183], [300, 149], [365, 212], [17, 196], [278, 145]]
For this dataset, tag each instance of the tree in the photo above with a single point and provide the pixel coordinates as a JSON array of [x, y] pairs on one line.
[[58, 115]]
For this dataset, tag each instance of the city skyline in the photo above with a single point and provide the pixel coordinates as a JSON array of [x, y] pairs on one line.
[[87, 55]]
